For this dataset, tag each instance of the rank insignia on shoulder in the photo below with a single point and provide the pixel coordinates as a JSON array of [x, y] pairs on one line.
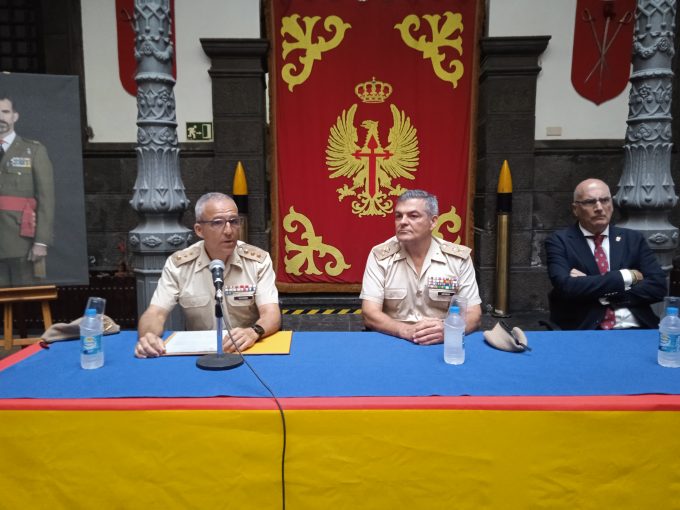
[[387, 249], [186, 255], [251, 252], [457, 250]]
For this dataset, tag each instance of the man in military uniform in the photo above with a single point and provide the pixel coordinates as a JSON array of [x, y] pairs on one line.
[[410, 279], [251, 301], [26, 202]]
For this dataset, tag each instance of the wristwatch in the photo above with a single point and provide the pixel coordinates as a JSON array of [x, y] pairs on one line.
[[259, 330]]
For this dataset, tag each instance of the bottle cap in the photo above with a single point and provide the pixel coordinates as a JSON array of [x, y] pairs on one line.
[[672, 310], [91, 312], [454, 309]]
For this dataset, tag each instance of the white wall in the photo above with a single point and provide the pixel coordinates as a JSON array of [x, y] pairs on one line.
[[557, 102], [112, 112]]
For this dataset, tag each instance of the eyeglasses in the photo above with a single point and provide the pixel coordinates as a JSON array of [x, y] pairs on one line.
[[219, 223], [590, 202]]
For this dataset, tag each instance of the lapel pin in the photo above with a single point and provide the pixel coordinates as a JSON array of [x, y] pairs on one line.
[[618, 238]]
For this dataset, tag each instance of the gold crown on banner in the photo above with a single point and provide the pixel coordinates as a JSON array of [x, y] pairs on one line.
[[373, 91]]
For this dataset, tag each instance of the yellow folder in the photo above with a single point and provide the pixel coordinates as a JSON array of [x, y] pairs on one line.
[[182, 343]]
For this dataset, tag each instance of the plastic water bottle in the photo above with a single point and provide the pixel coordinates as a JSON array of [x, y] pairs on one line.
[[669, 339], [454, 337], [91, 349]]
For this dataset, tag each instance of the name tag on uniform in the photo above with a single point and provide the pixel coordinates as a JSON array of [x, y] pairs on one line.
[[20, 162]]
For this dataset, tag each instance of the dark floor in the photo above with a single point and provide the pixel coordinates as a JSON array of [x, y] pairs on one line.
[[339, 313]]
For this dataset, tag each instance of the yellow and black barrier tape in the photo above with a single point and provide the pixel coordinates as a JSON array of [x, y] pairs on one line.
[[321, 311]]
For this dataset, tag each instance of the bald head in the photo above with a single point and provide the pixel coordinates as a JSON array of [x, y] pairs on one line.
[[589, 184], [592, 205]]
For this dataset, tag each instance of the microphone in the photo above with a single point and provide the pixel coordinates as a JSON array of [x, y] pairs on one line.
[[219, 360], [217, 270]]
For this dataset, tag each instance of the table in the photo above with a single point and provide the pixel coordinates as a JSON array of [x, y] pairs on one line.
[[584, 420]]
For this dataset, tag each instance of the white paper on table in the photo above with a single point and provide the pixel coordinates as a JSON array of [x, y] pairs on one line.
[[191, 342]]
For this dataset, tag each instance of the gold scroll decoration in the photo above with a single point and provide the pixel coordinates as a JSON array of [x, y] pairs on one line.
[[304, 254], [442, 37], [371, 168], [449, 217], [302, 40]]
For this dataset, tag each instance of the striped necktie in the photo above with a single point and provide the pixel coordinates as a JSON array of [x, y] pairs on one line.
[[603, 266]]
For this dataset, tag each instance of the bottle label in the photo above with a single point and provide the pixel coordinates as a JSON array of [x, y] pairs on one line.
[[669, 342], [91, 344]]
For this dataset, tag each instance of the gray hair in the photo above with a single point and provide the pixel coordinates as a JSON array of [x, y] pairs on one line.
[[431, 204], [201, 202]]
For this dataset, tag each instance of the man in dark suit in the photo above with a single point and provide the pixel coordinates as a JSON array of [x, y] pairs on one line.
[[603, 276], [26, 202]]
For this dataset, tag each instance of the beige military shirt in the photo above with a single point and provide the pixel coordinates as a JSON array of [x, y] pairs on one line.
[[390, 279], [187, 280]]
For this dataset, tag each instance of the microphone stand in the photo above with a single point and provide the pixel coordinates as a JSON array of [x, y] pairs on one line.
[[220, 360]]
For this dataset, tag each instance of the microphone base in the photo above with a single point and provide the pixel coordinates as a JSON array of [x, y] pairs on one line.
[[224, 361]]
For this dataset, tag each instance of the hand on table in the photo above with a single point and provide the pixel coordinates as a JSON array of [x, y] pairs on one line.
[[428, 331], [149, 346], [244, 338]]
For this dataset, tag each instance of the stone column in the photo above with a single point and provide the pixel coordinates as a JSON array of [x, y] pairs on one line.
[[646, 191], [506, 124], [159, 196]]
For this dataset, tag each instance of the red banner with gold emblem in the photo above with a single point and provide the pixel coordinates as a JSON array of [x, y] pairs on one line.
[[369, 99]]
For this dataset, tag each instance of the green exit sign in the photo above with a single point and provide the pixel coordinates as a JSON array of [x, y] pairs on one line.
[[199, 131]]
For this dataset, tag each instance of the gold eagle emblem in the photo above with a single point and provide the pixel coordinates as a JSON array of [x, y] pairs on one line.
[[372, 167]]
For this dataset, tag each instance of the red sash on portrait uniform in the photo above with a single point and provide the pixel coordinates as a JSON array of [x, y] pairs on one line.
[[26, 206], [603, 42]]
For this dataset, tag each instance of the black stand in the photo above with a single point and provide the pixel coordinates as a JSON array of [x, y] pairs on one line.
[[219, 360]]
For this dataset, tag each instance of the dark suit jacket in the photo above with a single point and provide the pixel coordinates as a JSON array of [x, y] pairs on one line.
[[574, 301]]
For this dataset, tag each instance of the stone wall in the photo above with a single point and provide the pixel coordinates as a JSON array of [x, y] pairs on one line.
[[505, 131]]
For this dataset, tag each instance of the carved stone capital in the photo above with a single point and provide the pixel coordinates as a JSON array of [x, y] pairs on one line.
[[646, 189]]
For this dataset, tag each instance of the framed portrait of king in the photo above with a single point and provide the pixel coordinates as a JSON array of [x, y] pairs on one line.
[[42, 211]]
